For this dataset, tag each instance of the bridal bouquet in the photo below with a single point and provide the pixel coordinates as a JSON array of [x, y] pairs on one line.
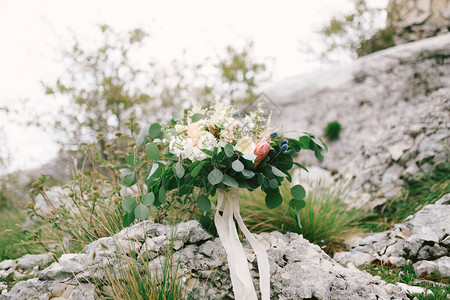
[[216, 151]]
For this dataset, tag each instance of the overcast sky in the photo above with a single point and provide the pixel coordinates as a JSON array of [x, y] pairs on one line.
[[33, 32]]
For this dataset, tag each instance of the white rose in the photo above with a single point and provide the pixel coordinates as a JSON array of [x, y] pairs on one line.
[[245, 145]]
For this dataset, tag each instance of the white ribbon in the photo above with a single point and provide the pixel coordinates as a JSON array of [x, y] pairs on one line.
[[228, 203]]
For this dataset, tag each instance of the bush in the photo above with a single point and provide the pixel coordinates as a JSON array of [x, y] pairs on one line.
[[325, 221], [332, 131]]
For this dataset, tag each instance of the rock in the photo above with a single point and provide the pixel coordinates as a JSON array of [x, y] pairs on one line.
[[410, 290], [422, 236], [7, 264], [29, 261], [298, 268], [393, 106], [442, 265], [413, 20]]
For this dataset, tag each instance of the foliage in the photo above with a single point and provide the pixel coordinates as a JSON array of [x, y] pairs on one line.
[[101, 86], [241, 75], [419, 191], [133, 279], [91, 208], [355, 34], [14, 238], [179, 167], [325, 220], [332, 131], [405, 274]]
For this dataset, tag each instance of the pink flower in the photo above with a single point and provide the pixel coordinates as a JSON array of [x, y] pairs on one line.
[[261, 151]]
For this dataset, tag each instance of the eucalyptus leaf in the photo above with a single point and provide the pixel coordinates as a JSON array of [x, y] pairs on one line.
[[128, 219], [215, 176], [162, 195], [230, 181], [277, 172], [152, 151], [229, 150], [179, 170], [197, 169], [273, 183], [298, 192], [129, 203], [129, 179], [297, 204], [247, 173], [140, 139], [133, 161], [237, 166], [274, 199], [141, 212], [203, 203], [148, 199], [155, 131]]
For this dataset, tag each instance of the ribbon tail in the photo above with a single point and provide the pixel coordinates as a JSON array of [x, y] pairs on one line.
[[261, 254], [240, 275]]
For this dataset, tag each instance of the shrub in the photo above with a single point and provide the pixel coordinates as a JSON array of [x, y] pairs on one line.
[[325, 220], [332, 131]]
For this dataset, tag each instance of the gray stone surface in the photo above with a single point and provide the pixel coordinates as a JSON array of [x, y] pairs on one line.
[[413, 20], [422, 238], [299, 270], [393, 107]]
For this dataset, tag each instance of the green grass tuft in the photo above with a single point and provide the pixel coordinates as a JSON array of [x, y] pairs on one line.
[[325, 221], [405, 274]]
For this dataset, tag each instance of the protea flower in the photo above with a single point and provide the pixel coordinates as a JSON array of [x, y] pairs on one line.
[[261, 151]]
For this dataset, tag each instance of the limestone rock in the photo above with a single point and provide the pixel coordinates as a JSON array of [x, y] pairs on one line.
[[299, 269], [422, 239], [393, 106]]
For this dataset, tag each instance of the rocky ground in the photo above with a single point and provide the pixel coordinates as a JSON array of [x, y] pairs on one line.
[[394, 109], [423, 239], [299, 269]]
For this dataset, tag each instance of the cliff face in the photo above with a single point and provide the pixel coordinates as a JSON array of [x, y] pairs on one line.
[[394, 109], [413, 20]]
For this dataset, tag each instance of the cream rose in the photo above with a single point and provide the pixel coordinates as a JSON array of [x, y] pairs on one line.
[[245, 145]]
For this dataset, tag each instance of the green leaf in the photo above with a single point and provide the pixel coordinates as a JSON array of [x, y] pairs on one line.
[[129, 203], [162, 195], [304, 142], [298, 192], [141, 212], [197, 169], [129, 179], [179, 170], [318, 153], [273, 183], [197, 117], [203, 203], [128, 219], [247, 173], [229, 150], [207, 152], [301, 166], [142, 135], [237, 166], [277, 172], [155, 131], [215, 176], [152, 151], [130, 160], [148, 199], [297, 204], [284, 162], [155, 171], [274, 199], [230, 181]]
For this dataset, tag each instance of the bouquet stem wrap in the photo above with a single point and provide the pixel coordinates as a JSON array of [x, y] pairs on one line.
[[228, 203]]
